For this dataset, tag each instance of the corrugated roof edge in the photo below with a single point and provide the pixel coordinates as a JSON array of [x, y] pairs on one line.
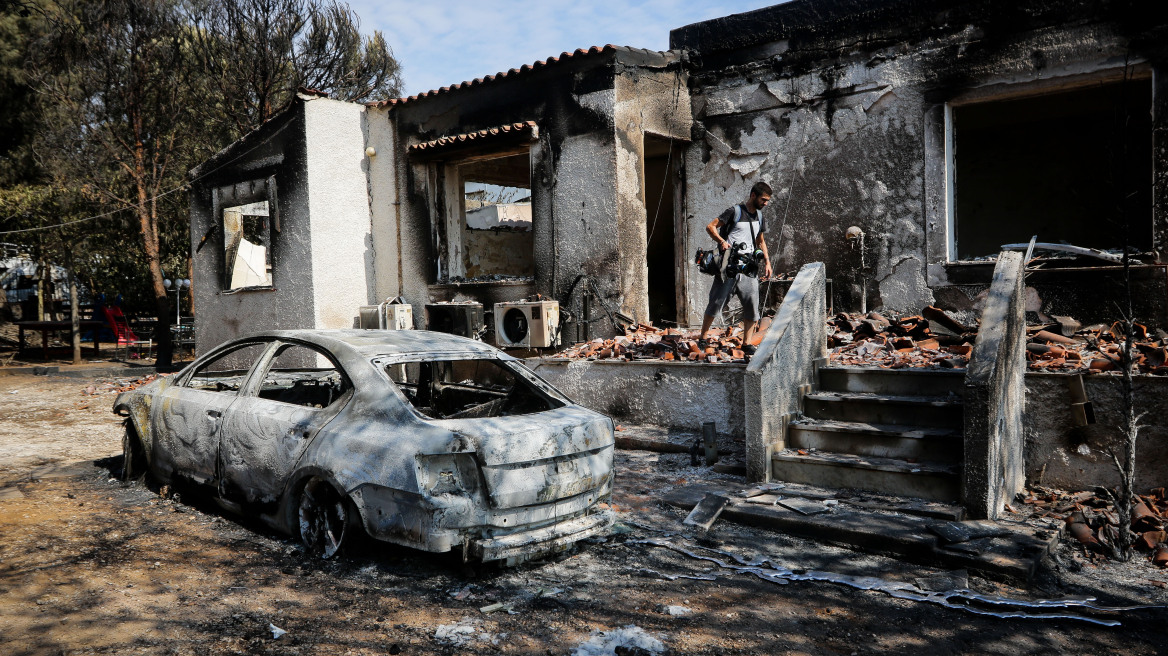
[[526, 68]]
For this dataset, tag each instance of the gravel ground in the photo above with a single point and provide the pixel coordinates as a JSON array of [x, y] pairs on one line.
[[90, 565]]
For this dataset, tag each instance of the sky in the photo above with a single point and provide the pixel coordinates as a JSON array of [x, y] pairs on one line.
[[444, 42]]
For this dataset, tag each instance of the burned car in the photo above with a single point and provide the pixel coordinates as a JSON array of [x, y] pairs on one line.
[[422, 439]]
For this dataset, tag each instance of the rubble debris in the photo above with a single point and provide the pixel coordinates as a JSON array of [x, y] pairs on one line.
[[1089, 518], [277, 632], [935, 339], [1066, 248], [644, 341], [874, 340]]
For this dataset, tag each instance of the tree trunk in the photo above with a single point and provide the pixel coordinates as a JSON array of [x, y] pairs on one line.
[[75, 316]]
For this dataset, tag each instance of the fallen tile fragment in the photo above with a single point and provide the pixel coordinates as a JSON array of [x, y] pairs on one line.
[[707, 511]]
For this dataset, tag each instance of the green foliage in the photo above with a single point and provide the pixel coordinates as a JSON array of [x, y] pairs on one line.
[[118, 99]]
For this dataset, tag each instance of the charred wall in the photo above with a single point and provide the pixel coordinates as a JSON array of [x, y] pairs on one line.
[[276, 150], [587, 200], [841, 106]]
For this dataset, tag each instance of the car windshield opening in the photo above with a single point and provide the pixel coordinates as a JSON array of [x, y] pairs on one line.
[[463, 389]]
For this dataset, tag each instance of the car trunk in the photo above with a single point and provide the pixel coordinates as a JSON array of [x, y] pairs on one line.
[[540, 458]]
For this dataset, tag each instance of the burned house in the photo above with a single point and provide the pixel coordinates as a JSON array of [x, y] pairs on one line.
[[906, 141]]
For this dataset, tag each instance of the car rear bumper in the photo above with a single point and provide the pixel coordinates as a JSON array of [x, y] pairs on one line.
[[541, 541]]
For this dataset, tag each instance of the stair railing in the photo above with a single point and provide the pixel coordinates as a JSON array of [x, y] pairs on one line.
[[995, 395], [778, 374]]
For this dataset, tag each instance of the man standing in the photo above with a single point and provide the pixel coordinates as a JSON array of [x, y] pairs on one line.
[[742, 224]]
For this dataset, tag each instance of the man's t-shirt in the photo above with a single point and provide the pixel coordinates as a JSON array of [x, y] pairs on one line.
[[741, 234]]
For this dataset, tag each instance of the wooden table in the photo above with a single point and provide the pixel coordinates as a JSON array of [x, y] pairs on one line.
[[47, 328]]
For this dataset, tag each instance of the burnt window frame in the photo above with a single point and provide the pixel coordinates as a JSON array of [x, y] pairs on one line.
[[253, 190], [939, 165]]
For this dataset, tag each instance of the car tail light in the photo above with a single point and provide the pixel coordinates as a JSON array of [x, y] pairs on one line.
[[448, 473]]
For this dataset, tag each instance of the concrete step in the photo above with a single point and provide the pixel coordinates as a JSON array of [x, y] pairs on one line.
[[924, 480], [866, 407], [877, 440], [902, 382]]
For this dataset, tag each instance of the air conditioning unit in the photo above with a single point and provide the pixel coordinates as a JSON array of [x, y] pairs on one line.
[[533, 324], [465, 319], [386, 316]]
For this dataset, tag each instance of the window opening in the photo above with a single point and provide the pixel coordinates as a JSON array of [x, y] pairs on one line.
[[497, 226], [226, 372], [303, 376], [1069, 167], [461, 389], [247, 244]]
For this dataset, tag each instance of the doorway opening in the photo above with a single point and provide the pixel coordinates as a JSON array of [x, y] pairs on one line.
[[659, 229]]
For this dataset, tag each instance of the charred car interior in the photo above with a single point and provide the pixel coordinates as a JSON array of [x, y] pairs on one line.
[[456, 389]]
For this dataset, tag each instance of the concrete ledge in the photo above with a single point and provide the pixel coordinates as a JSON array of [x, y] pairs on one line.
[[656, 392], [68, 371]]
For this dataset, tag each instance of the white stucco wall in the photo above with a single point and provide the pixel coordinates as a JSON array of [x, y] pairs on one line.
[[338, 205]]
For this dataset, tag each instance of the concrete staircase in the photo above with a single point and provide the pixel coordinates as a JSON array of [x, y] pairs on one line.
[[891, 431]]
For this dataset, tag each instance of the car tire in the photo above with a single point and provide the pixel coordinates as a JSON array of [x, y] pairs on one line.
[[325, 518], [134, 463]]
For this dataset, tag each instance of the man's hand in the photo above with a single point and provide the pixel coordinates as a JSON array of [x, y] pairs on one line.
[[725, 245], [767, 273]]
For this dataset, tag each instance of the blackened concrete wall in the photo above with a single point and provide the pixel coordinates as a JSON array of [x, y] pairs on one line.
[[840, 105], [592, 111], [1061, 454]]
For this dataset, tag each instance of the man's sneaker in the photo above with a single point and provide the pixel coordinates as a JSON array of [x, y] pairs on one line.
[[703, 344], [749, 349]]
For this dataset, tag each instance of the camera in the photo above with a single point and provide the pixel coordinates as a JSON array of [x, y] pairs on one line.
[[743, 260]]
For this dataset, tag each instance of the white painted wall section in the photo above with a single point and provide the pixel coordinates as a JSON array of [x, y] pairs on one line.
[[338, 201]]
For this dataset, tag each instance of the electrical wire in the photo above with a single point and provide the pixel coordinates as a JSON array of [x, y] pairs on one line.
[[182, 187]]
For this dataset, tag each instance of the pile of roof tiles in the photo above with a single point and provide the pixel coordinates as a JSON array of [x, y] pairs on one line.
[[930, 339], [646, 342], [1091, 519], [1062, 347]]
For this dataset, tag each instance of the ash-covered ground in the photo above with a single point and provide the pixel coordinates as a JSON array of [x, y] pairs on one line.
[[91, 565]]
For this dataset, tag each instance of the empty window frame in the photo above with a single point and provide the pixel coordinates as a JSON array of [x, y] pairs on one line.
[[249, 219], [304, 376], [1072, 166], [489, 220], [227, 372]]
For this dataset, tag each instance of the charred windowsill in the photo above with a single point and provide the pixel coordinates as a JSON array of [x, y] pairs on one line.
[[980, 272], [482, 283], [229, 292]]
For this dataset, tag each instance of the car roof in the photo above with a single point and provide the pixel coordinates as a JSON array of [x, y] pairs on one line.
[[370, 344]]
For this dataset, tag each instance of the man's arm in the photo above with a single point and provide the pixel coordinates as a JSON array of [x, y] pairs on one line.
[[712, 230], [760, 243]]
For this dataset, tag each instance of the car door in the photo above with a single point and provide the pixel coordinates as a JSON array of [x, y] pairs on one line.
[[189, 414], [296, 391]]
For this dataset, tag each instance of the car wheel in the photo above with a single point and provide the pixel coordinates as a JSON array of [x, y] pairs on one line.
[[325, 518], [133, 454]]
